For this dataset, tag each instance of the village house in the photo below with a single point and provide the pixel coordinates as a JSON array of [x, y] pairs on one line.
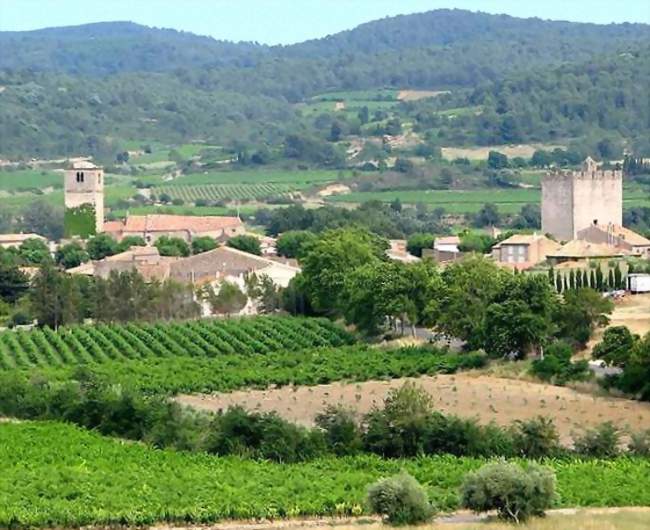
[[617, 236], [207, 269], [15, 240], [187, 227], [578, 252], [523, 251]]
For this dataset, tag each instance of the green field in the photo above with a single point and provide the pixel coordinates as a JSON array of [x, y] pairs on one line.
[[216, 192], [28, 179], [471, 201], [57, 475], [358, 95]]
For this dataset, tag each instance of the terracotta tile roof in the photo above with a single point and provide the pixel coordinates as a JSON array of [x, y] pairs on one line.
[[583, 249], [628, 235], [113, 226], [173, 223], [447, 240], [12, 238]]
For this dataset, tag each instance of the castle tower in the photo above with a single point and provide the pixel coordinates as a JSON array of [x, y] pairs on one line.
[[84, 200], [574, 200]]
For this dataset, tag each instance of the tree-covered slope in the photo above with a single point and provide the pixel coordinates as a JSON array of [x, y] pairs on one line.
[[113, 47], [604, 96]]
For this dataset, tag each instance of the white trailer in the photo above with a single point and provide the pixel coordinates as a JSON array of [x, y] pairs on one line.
[[638, 283]]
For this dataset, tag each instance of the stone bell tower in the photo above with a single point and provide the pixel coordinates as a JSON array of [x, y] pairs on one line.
[[84, 200]]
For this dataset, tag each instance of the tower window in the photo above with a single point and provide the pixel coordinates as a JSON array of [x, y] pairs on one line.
[[82, 177]]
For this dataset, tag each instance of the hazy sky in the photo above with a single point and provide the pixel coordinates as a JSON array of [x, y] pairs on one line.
[[288, 21]]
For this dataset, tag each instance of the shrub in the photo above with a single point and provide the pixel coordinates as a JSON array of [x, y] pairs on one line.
[[342, 433], [639, 443], [514, 492], [556, 366], [399, 429], [536, 438], [401, 499], [601, 442]]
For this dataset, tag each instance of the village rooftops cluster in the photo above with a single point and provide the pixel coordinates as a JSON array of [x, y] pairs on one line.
[[187, 227]]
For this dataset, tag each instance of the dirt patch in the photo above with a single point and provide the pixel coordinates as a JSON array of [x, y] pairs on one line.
[[414, 95], [334, 189], [632, 311], [466, 395], [580, 519], [339, 105], [481, 153]]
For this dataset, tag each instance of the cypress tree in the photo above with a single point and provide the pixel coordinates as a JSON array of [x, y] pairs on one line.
[[599, 278], [578, 279], [572, 279], [585, 278], [592, 279], [611, 282], [558, 282], [618, 277], [551, 276]]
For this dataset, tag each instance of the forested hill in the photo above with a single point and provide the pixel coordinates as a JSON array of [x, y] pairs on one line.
[[545, 40], [454, 42], [116, 47]]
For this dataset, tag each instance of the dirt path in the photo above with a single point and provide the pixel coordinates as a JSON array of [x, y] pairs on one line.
[[467, 395], [564, 519]]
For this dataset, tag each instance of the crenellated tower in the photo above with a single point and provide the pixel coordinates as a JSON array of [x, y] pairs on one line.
[[574, 200]]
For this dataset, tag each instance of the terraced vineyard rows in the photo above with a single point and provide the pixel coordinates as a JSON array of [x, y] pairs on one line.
[[206, 338], [216, 192]]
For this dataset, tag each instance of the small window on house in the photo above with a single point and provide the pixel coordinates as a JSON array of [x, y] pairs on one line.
[[82, 176]]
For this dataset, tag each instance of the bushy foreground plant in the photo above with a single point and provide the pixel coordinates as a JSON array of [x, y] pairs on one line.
[[401, 499], [602, 441], [557, 367], [516, 493]]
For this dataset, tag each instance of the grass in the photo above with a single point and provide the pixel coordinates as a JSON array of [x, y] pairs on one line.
[[357, 95], [56, 475], [28, 179], [471, 201]]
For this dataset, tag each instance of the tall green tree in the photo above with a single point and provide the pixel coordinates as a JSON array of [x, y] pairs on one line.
[[329, 260], [55, 298]]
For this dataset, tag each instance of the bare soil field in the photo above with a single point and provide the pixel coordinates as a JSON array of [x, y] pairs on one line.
[[632, 311], [414, 95], [583, 519], [467, 395], [481, 153]]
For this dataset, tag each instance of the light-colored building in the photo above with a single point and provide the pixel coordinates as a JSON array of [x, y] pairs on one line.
[[574, 200], [84, 186], [617, 236], [522, 251], [15, 240], [579, 250], [186, 227], [446, 244]]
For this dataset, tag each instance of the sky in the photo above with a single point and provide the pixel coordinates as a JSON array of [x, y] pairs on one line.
[[290, 21]]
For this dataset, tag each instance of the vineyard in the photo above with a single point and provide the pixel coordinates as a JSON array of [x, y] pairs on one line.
[[221, 192], [207, 338], [57, 475], [224, 373]]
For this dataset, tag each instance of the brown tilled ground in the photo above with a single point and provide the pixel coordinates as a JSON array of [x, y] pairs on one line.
[[632, 311], [565, 519], [487, 398], [414, 95]]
